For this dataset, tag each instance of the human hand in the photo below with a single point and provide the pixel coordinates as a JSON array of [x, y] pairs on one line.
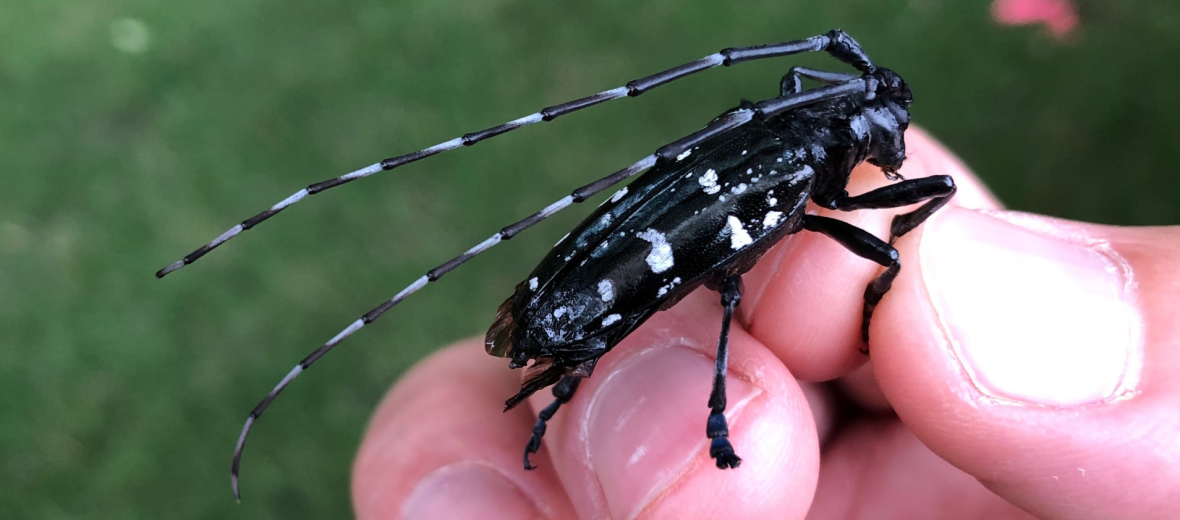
[[1019, 362]]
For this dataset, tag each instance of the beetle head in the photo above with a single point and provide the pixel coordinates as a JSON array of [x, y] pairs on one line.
[[888, 119]]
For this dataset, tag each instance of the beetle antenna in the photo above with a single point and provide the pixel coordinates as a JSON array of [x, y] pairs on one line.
[[506, 233], [836, 43], [669, 152]]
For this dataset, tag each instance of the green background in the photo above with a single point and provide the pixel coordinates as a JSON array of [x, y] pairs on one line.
[[121, 396]]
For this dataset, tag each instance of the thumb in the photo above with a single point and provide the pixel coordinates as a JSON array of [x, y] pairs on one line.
[[1043, 357]]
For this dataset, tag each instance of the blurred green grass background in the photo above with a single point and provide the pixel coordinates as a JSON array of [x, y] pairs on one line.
[[132, 131]]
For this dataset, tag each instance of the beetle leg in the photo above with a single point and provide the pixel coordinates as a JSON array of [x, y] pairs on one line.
[[562, 392], [906, 222], [716, 428], [937, 190], [792, 83], [865, 245]]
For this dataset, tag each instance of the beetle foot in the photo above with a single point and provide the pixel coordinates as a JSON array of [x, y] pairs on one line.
[[722, 451], [534, 444]]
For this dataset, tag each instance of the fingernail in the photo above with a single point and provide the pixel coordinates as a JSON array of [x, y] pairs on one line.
[[646, 424], [1037, 313], [468, 491]]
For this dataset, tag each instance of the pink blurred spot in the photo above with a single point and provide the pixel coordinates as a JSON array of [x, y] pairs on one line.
[[1059, 16]]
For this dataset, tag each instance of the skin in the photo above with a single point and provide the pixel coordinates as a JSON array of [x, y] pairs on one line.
[[941, 424]]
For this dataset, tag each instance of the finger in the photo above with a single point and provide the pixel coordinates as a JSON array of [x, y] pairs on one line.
[[439, 447], [860, 386], [806, 294], [825, 406], [632, 443], [877, 469], [1043, 357]]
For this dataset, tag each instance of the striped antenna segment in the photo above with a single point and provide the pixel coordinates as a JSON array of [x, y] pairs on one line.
[[506, 233], [835, 42]]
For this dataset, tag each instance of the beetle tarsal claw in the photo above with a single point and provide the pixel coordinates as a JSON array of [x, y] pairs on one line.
[[721, 450]]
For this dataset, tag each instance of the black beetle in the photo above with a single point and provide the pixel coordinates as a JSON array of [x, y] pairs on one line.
[[708, 207]]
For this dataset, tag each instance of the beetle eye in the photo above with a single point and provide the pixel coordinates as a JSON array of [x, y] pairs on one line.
[[904, 96]]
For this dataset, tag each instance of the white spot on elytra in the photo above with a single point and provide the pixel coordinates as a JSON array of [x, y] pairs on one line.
[[618, 194], [559, 312], [610, 320], [684, 155], [533, 283], [664, 290], [798, 176], [738, 237], [818, 152], [860, 126], [739, 189], [771, 219], [660, 257], [709, 182], [743, 152], [749, 171], [606, 290]]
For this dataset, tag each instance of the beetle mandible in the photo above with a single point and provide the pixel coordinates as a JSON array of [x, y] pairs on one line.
[[707, 208]]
